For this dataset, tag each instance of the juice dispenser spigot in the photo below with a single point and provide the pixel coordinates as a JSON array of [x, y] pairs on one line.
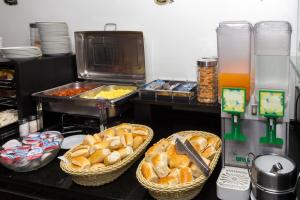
[[271, 106], [234, 103]]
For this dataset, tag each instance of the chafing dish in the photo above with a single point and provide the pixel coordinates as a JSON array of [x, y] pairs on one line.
[[53, 93], [111, 60]]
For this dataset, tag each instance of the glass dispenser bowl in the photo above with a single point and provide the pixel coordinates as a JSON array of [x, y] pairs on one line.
[[234, 52]]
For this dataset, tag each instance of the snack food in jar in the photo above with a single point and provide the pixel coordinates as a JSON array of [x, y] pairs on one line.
[[207, 80]]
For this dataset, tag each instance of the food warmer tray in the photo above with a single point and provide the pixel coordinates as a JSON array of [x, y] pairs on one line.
[[109, 59], [178, 90]]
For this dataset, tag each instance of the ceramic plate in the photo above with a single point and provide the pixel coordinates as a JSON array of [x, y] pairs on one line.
[[72, 141]]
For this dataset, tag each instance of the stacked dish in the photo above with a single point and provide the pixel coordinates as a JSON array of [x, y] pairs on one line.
[[54, 38], [21, 53]]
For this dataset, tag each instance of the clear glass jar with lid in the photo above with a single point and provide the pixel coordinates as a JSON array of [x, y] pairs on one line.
[[207, 80]]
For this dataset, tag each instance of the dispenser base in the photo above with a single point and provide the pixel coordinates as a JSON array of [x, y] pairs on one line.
[[233, 183]]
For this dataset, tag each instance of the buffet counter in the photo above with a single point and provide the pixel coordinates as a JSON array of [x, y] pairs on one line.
[[50, 182]]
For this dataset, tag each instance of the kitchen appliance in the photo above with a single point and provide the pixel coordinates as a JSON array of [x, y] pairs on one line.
[[273, 177], [254, 89], [112, 59]]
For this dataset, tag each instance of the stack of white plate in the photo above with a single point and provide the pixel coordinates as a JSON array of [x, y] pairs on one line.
[[21, 53], [54, 38]]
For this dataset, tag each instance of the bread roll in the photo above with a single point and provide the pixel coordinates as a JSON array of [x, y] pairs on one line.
[[174, 172], [99, 155], [213, 141], [158, 147], [97, 138], [121, 131], [209, 152], [169, 180], [101, 145], [160, 164], [137, 141], [206, 160], [179, 161], [196, 171], [81, 146], [81, 161], [75, 167], [115, 143], [152, 151], [97, 166], [171, 150], [125, 126], [139, 131], [129, 139], [123, 141], [112, 158], [163, 144], [109, 133], [148, 172], [125, 151], [199, 143], [80, 152], [185, 175], [89, 140]]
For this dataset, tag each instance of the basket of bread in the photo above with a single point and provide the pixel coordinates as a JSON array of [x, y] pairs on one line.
[[169, 175], [103, 157]]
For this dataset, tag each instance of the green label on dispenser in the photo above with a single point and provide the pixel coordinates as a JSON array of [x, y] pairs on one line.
[[271, 103], [233, 100]]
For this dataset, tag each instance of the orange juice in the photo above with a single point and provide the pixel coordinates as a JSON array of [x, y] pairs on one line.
[[235, 80]]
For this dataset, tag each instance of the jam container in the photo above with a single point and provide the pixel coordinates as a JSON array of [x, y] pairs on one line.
[[207, 80]]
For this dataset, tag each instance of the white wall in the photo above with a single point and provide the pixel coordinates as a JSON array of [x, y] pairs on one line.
[[175, 35]]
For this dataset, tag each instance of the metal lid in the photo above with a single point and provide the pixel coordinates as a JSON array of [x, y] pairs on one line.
[[115, 56], [274, 172], [265, 164], [207, 62]]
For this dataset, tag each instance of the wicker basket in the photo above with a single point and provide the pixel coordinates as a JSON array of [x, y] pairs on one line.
[[101, 176], [181, 191]]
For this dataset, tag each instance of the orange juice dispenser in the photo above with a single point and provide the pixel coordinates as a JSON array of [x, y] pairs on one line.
[[234, 52], [254, 90]]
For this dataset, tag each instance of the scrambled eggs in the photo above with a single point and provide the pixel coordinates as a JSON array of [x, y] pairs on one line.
[[110, 94]]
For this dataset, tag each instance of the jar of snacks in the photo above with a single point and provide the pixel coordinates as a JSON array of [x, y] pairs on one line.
[[207, 80]]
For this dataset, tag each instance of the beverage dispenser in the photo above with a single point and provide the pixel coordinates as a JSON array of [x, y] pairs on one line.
[[272, 54], [254, 91], [234, 50]]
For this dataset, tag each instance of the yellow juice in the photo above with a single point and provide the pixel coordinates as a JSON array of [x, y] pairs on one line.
[[235, 80]]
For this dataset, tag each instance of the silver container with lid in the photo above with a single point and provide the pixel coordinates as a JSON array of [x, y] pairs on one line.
[[273, 177]]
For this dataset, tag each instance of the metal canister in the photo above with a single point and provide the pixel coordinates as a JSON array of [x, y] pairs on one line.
[[274, 177], [207, 80]]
